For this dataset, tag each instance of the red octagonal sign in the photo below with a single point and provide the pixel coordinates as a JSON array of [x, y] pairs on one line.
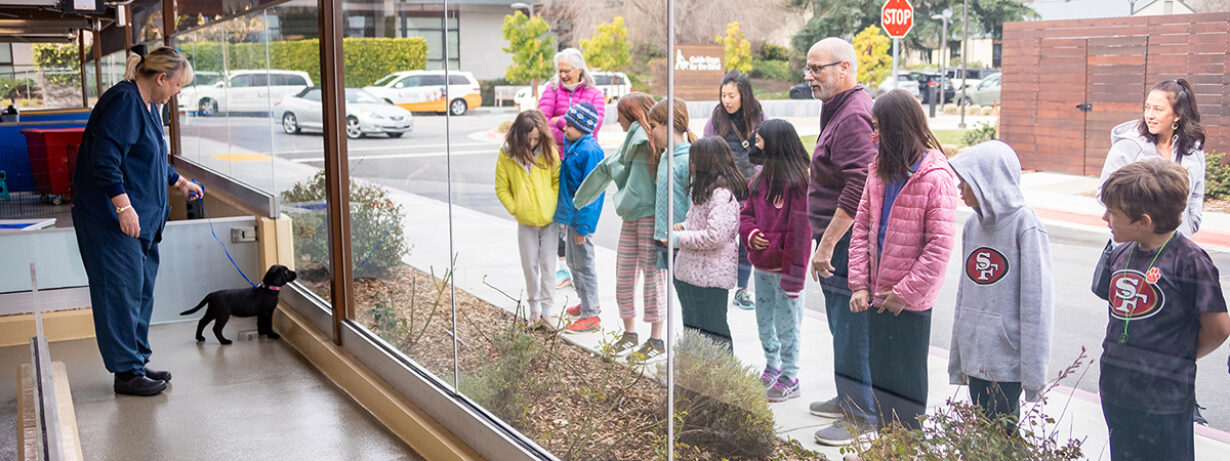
[[897, 17]]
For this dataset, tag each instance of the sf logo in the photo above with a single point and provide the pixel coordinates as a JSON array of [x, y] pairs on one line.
[[1134, 296], [985, 266]]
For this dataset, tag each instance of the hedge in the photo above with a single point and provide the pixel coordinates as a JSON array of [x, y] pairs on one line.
[[366, 59]]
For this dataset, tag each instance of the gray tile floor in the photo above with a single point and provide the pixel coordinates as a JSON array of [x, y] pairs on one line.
[[254, 399]]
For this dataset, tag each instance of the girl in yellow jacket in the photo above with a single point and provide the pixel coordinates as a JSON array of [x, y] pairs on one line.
[[527, 184]]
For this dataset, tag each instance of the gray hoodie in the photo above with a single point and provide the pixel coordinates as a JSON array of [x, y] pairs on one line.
[[1002, 330], [1127, 146]]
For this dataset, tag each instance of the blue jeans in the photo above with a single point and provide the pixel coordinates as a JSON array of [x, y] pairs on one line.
[[777, 320], [851, 365], [745, 267], [1140, 435]]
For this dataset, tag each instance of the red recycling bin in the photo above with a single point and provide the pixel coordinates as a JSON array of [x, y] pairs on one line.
[[53, 155]]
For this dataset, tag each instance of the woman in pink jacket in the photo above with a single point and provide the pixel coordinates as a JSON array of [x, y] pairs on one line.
[[573, 84], [903, 235]]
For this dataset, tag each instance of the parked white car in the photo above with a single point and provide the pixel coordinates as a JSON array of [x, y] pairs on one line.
[[904, 82], [614, 85], [244, 91], [365, 114], [424, 91]]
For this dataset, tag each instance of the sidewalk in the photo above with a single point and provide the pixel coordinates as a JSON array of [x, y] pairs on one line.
[[486, 250]]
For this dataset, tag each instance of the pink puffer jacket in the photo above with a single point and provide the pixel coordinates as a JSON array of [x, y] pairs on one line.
[[919, 239], [556, 100]]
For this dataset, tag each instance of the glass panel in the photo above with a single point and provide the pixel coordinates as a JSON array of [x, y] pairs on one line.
[[399, 214]]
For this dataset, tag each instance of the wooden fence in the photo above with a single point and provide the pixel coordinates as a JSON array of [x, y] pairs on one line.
[[1067, 83]]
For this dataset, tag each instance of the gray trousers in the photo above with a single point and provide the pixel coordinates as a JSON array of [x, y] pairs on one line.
[[538, 246], [580, 259]]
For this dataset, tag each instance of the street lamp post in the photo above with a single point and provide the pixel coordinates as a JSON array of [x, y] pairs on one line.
[[524, 6], [964, 52], [943, 47]]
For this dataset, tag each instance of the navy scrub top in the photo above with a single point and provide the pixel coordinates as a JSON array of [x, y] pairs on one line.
[[123, 151]]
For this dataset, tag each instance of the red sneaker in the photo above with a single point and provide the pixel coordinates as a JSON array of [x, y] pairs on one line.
[[584, 325], [574, 311]]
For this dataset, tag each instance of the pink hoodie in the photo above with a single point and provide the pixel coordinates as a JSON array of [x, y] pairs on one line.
[[919, 238], [556, 100]]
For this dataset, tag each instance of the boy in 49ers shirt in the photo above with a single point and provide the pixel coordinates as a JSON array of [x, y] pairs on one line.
[[1001, 337], [1166, 310]]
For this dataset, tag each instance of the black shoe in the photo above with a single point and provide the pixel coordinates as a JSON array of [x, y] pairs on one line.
[[157, 375], [137, 385]]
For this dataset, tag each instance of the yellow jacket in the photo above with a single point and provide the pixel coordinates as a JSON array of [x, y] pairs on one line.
[[530, 196]]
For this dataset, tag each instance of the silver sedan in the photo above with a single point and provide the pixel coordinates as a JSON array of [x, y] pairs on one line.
[[365, 114]]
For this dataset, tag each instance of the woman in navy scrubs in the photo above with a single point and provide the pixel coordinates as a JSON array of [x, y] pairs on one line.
[[120, 208]]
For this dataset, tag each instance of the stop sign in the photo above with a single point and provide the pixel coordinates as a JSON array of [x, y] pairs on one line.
[[897, 17]]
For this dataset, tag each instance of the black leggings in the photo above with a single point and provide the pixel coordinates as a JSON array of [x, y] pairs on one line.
[[899, 345]]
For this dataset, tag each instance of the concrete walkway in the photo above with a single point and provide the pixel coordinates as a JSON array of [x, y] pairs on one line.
[[487, 259]]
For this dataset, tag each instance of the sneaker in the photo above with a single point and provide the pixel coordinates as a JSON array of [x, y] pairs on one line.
[[769, 376], [624, 346], [783, 390], [584, 325], [743, 300], [828, 409], [575, 311], [562, 278], [844, 432], [652, 350]]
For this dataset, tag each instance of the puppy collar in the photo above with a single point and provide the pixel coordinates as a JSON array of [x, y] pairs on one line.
[[273, 288]]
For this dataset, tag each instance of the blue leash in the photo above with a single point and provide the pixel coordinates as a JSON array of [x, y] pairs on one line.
[[215, 234]]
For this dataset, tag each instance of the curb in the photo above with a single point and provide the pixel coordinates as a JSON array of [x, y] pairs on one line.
[[1207, 239]]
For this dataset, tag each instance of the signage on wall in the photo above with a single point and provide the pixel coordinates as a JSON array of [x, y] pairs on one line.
[[698, 71]]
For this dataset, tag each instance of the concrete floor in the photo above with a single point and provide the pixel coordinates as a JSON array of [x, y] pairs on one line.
[[254, 399]]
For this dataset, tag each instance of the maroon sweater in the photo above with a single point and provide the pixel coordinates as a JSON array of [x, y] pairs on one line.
[[784, 224], [839, 163]]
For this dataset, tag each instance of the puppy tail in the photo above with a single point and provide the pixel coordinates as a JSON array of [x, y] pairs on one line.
[[198, 307]]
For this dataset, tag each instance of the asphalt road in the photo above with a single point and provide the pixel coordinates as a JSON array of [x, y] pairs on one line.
[[417, 164]]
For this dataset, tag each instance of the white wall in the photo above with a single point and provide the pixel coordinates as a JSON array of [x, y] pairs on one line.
[[23, 54], [481, 41]]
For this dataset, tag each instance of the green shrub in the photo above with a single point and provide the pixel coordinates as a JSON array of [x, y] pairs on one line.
[[487, 89], [772, 69], [378, 241], [10, 88], [366, 59], [719, 402], [1216, 176], [60, 63], [772, 52], [983, 132], [501, 385]]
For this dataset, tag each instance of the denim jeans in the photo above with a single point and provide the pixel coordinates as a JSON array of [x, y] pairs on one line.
[[777, 320], [1140, 435], [851, 367]]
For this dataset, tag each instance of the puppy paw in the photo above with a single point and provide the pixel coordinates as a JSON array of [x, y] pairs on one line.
[[200, 339], [273, 336], [225, 341]]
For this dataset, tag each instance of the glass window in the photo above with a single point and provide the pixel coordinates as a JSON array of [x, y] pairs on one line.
[[385, 80], [241, 81], [431, 80], [458, 80]]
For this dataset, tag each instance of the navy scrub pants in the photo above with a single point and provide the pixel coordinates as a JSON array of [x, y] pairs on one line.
[[121, 271]]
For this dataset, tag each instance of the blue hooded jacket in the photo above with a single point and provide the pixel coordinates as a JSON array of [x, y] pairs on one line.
[[582, 156]]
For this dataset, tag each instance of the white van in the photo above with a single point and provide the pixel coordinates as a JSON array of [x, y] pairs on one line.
[[246, 91], [424, 91]]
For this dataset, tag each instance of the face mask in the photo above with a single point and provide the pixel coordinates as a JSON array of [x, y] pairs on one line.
[[571, 86], [755, 155]]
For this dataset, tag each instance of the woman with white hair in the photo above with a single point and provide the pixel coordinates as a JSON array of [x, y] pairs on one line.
[[571, 85]]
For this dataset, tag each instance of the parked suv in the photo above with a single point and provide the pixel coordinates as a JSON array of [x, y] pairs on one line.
[[986, 93], [425, 91], [975, 76], [244, 91], [904, 82], [933, 79]]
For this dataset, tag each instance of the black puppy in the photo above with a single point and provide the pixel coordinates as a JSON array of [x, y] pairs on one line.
[[244, 302]]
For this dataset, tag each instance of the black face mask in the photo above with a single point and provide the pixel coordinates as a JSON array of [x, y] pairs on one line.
[[754, 154]]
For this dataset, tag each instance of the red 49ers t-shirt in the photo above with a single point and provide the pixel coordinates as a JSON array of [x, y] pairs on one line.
[[1154, 369]]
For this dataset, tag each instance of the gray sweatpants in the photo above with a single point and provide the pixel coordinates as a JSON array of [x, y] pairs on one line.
[[580, 259], [538, 245]]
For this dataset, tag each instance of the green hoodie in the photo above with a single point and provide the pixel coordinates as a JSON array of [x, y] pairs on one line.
[[679, 195], [629, 170]]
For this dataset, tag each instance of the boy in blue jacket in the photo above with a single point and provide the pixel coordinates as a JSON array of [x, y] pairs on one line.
[[582, 156]]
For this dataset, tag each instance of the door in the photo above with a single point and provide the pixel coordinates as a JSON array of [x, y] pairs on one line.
[[310, 104], [1060, 134], [1115, 91]]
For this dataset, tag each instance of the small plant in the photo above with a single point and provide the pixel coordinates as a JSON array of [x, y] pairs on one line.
[[981, 133], [1216, 176], [719, 402], [378, 242], [959, 430]]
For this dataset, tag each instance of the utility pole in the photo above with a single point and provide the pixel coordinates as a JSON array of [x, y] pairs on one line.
[[943, 47], [964, 53]]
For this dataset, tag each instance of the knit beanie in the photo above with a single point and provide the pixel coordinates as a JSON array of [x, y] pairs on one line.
[[583, 116]]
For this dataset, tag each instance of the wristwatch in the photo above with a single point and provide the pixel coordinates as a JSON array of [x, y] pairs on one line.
[[121, 209]]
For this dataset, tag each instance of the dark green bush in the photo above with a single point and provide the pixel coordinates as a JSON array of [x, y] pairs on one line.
[[1216, 176], [983, 132], [19, 88], [501, 385], [487, 88], [378, 241], [772, 52], [366, 59], [772, 69]]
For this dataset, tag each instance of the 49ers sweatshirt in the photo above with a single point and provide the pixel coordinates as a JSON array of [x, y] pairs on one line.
[[1002, 330]]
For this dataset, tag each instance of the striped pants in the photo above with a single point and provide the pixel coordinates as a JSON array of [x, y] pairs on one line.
[[635, 256]]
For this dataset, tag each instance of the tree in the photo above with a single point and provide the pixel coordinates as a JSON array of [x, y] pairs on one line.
[[835, 18], [874, 60], [992, 14], [532, 47], [608, 48], [738, 49], [59, 63]]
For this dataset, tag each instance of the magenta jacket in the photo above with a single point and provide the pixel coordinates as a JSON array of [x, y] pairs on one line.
[[919, 240], [784, 224], [556, 100]]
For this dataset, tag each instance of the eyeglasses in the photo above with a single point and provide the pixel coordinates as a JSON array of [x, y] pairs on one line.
[[815, 70]]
